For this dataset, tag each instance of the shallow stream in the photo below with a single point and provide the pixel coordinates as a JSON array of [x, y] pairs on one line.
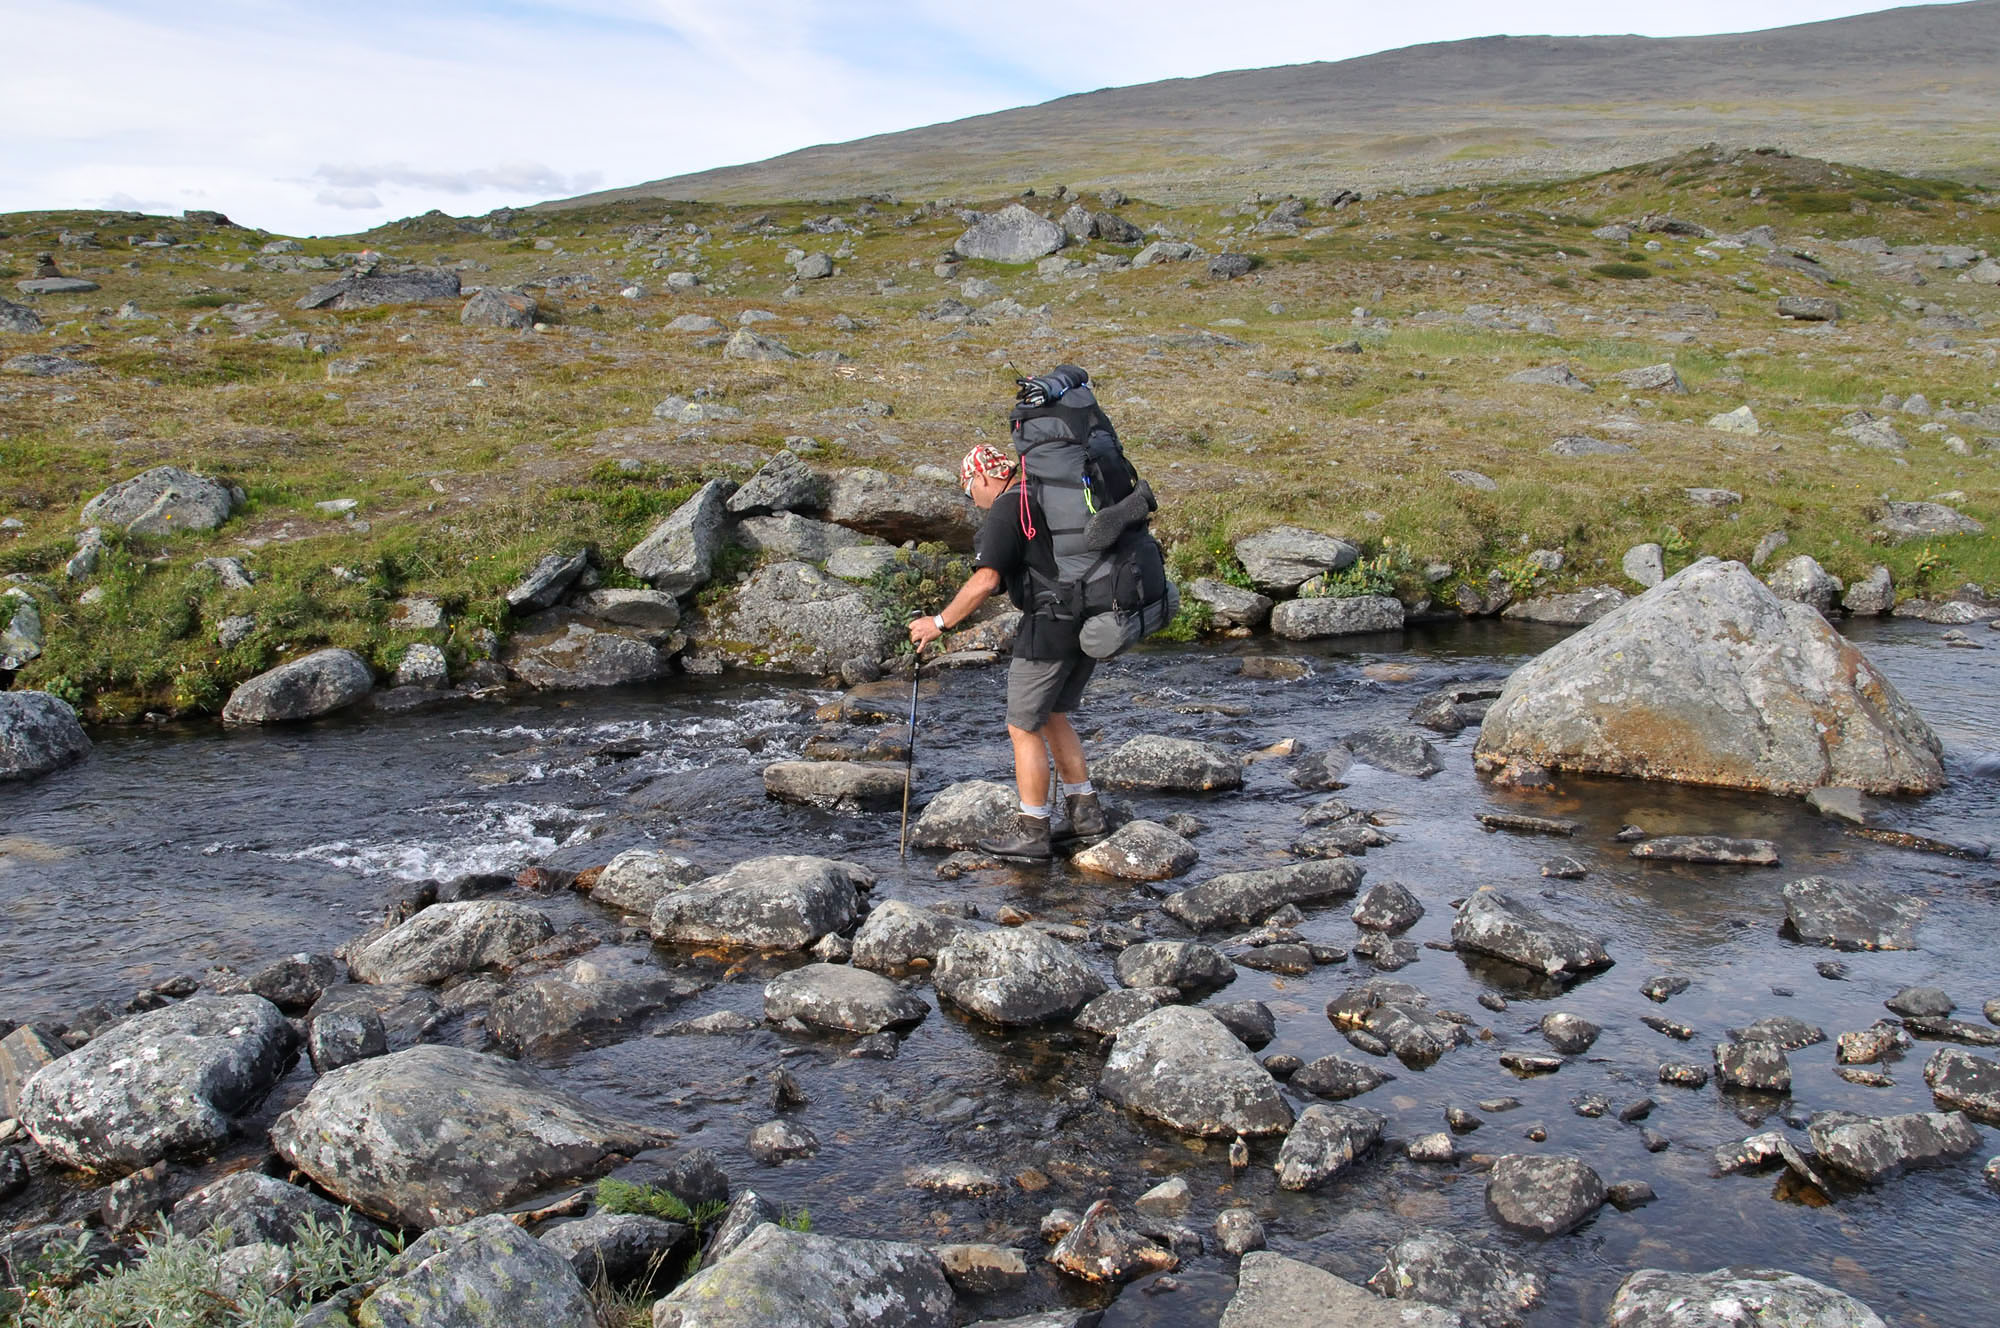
[[173, 850]]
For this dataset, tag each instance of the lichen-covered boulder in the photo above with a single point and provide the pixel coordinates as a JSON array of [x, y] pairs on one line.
[[1169, 765], [1729, 1297], [255, 1208], [1138, 851], [636, 879], [598, 996], [162, 501], [900, 507], [1545, 1195], [1011, 235], [487, 1273], [779, 902], [38, 733], [1242, 898], [965, 813], [898, 934], [1014, 977], [1325, 1142], [778, 1278], [1490, 1286], [1709, 678], [1180, 1066], [161, 1083], [437, 1135], [306, 688], [791, 617], [841, 999], [1272, 1290], [445, 940], [677, 555], [564, 648]]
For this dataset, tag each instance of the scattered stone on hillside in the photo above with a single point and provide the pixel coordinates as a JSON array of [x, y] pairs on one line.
[[1014, 977], [679, 410], [1472, 479], [18, 318], [1285, 557], [1245, 898], [783, 484], [1851, 915], [1715, 850], [790, 537], [1878, 434], [1908, 521], [55, 286], [446, 940], [792, 617], [1651, 378], [1497, 924], [813, 267], [1230, 605], [1803, 581], [366, 291], [678, 554], [1809, 308], [1274, 1290], [1139, 850], [1227, 267], [1713, 497], [1171, 765], [1710, 678], [161, 1083], [1544, 1195], [548, 581], [1578, 608], [1309, 619], [162, 501], [497, 307], [435, 1135], [1491, 1287], [1551, 375], [1961, 1081], [1583, 445], [841, 998], [1164, 251], [900, 507], [562, 648], [743, 344], [1180, 1066], [36, 364], [695, 323], [777, 902], [317, 684], [38, 733], [1741, 421], [1011, 235]]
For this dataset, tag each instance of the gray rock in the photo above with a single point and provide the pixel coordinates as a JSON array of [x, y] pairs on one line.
[[1710, 678], [1873, 595], [23, 1051], [488, 1273], [1322, 770], [783, 484], [495, 307], [1754, 1065], [259, 1209], [366, 291], [38, 365], [616, 1249], [897, 934], [1809, 308], [1920, 1002], [446, 940], [1490, 1287], [1313, 618], [961, 1180], [404, 1012], [1180, 1066], [1011, 235], [792, 617], [306, 688], [1230, 605], [678, 554], [18, 318], [1138, 851], [1273, 1290], [796, 538], [1802, 580], [162, 501], [38, 733], [964, 813], [1570, 1034], [547, 582], [862, 562], [1244, 898], [1767, 1297], [780, 902], [1099, 1247], [1742, 421], [1238, 1231], [1961, 1081], [1395, 750], [813, 267], [1494, 923], [1325, 1141], [606, 992], [842, 999], [1583, 445], [1338, 1079], [436, 1135], [1171, 765], [1708, 849], [55, 286], [561, 649], [1576, 609], [1454, 709], [982, 1268], [777, 1278], [422, 665], [1107, 1015], [778, 1141], [1908, 521], [899, 507], [161, 1083], [1874, 1148], [743, 344], [1014, 977], [1387, 906], [1546, 1195], [1651, 378], [1551, 375], [1646, 564], [1164, 251], [838, 785], [636, 879], [1285, 557], [1189, 967], [1850, 915], [342, 1037]]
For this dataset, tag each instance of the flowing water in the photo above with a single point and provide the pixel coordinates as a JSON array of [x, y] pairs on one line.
[[173, 850]]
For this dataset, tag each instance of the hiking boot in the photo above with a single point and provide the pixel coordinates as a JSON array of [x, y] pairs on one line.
[[1028, 839], [1086, 817]]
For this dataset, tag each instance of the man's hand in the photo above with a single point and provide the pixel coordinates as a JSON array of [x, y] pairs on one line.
[[923, 631]]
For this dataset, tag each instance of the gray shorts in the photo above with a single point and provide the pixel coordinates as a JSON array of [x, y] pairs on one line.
[[1038, 688]]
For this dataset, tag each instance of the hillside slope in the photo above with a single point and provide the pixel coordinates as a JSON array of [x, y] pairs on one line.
[[1904, 89]]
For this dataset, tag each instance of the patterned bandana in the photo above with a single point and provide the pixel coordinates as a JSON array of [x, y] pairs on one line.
[[987, 460]]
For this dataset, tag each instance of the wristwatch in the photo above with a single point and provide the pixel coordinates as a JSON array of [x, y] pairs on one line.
[[938, 618]]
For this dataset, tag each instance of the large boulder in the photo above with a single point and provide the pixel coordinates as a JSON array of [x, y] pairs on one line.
[[793, 618], [1497, 924], [600, 995], [1874, 1148], [563, 648], [1908, 521], [446, 940], [1546, 1195], [437, 1135], [1961, 1081], [789, 537], [1709, 678], [780, 902], [1243, 898], [38, 733], [1170, 765], [900, 507], [1181, 1067], [1285, 557], [1490, 1286], [260, 1209], [898, 934], [965, 813], [161, 501], [1011, 235], [161, 1083], [414, 285], [495, 307], [783, 484], [1138, 851], [1734, 1298], [636, 879], [1230, 605], [779, 1278], [677, 555], [1014, 977], [318, 684], [841, 999], [1189, 967], [1310, 618], [841, 785], [488, 1273], [18, 318], [1272, 1290]]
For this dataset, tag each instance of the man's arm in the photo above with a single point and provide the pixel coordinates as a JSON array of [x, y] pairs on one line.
[[970, 596]]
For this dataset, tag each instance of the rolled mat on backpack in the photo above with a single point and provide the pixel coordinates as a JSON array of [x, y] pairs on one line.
[[1109, 525], [1106, 634]]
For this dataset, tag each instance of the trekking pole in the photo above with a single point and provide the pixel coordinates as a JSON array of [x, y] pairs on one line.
[[910, 757]]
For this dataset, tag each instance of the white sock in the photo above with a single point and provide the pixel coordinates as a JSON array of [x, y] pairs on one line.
[[1039, 813], [1076, 790]]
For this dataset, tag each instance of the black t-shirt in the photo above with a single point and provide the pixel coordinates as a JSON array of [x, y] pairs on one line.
[[1004, 546]]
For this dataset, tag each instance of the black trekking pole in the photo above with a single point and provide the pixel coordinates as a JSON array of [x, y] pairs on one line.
[[910, 756]]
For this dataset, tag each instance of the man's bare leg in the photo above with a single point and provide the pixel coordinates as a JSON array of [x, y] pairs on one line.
[[1031, 765], [1064, 747]]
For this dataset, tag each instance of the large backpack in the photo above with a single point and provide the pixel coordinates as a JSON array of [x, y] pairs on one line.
[[1111, 578]]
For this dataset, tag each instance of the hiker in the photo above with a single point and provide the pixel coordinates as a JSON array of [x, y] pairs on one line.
[[1049, 669]]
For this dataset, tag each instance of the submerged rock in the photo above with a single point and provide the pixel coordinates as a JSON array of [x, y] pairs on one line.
[[779, 902], [1710, 849], [1337, 1079], [1273, 1291], [1395, 751], [1014, 977], [1546, 1195], [1494, 923], [1490, 1287], [1733, 1297], [1709, 678], [605, 992], [1325, 1142], [1180, 1066], [1849, 915], [778, 1278]]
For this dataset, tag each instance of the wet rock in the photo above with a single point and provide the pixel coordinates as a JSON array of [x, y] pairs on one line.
[[1387, 906], [1961, 1081], [161, 1083], [1251, 1022], [1546, 1195], [1755, 1065], [636, 879], [776, 1276], [1385, 952], [1011, 235], [1871, 1045], [965, 813], [1230, 605], [1317, 617], [1336, 1078], [563, 649], [446, 940], [1570, 1034], [1014, 977], [405, 1012], [1708, 849], [779, 1141], [1187, 966], [606, 992], [1526, 1063], [897, 934], [1108, 1014], [1490, 1287], [898, 508], [1238, 1231], [1398, 752], [23, 1052], [1577, 609], [1533, 825], [1182, 1067], [1325, 1142], [1768, 1297], [1323, 769], [615, 1249], [677, 555], [1662, 986], [983, 1269], [1285, 557], [306, 688], [961, 1180], [1384, 1016], [1139, 851], [1434, 1147], [435, 1135], [1849, 915], [1710, 678], [1491, 922], [160, 502], [488, 1273], [1171, 765], [840, 998], [1683, 1074], [780, 902], [1454, 709], [838, 785], [1272, 1290], [292, 983], [260, 1209], [38, 733], [1244, 898], [1101, 1248], [1874, 1148], [1782, 1031]]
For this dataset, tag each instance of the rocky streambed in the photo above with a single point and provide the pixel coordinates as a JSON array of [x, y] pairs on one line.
[[1499, 1051]]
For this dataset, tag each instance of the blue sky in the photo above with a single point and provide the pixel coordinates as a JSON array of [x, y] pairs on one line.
[[316, 119]]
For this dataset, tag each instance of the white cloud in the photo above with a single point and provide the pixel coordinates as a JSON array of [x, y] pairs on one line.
[[349, 199]]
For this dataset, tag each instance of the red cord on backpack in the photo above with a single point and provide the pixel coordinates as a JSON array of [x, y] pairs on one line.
[[1027, 522]]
